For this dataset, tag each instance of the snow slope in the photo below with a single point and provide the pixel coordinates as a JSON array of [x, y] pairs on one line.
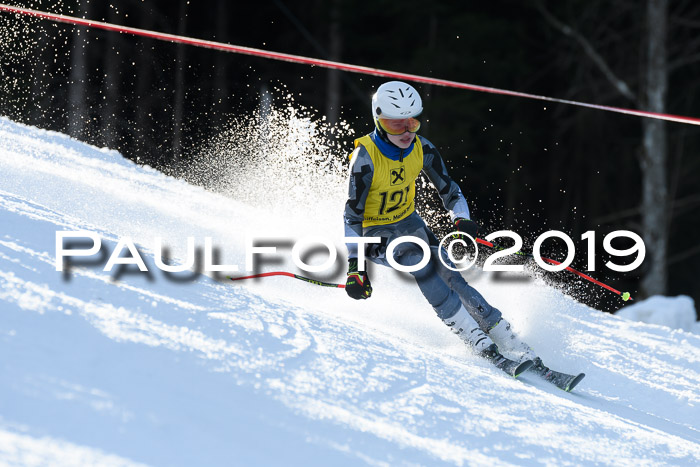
[[142, 369]]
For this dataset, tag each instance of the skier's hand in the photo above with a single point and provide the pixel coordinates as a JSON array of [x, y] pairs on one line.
[[467, 226], [357, 285]]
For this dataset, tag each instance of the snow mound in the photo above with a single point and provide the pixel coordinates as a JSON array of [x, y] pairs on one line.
[[673, 312]]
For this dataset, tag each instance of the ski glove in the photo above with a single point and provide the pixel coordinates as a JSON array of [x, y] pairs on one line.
[[467, 226], [357, 285]]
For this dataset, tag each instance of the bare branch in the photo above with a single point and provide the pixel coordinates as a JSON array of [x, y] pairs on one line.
[[675, 207], [567, 30], [693, 24], [682, 256], [683, 61]]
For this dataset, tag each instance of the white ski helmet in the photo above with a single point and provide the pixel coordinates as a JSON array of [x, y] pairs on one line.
[[396, 99]]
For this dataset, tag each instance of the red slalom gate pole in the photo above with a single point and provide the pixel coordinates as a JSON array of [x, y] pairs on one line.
[[624, 295], [330, 64]]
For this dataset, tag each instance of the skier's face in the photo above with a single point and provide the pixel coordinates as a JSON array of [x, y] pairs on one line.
[[403, 140]]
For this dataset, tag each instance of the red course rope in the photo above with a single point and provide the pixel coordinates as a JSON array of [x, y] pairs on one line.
[[329, 64]]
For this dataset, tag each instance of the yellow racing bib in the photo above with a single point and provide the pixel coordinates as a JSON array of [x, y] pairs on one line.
[[391, 196]]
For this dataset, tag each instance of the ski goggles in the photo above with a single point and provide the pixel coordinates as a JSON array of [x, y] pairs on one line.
[[398, 126]]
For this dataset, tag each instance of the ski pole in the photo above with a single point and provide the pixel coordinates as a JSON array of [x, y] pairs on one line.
[[289, 274], [624, 295]]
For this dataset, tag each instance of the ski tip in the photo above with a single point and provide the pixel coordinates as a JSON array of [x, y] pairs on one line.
[[575, 381]]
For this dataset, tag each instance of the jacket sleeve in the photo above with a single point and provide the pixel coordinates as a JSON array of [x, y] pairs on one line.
[[436, 171], [361, 173]]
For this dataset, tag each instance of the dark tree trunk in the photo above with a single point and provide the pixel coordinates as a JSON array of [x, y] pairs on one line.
[[220, 76], [333, 97], [179, 104], [144, 115], [653, 158], [78, 112], [110, 108], [38, 87]]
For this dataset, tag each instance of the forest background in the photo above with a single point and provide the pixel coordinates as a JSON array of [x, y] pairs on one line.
[[524, 165]]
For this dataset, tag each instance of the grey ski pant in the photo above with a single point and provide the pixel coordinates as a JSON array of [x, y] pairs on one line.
[[444, 289]]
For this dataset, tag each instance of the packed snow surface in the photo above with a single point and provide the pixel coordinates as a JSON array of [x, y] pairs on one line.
[[125, 367]]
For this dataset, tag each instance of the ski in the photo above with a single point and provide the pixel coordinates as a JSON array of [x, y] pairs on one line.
[[561, 380], [511, 367]]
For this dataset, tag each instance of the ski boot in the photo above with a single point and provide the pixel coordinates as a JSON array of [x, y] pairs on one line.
[[464, 325], [509, 342]]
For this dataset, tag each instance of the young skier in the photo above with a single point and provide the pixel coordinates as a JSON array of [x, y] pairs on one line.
[[383, 170]]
